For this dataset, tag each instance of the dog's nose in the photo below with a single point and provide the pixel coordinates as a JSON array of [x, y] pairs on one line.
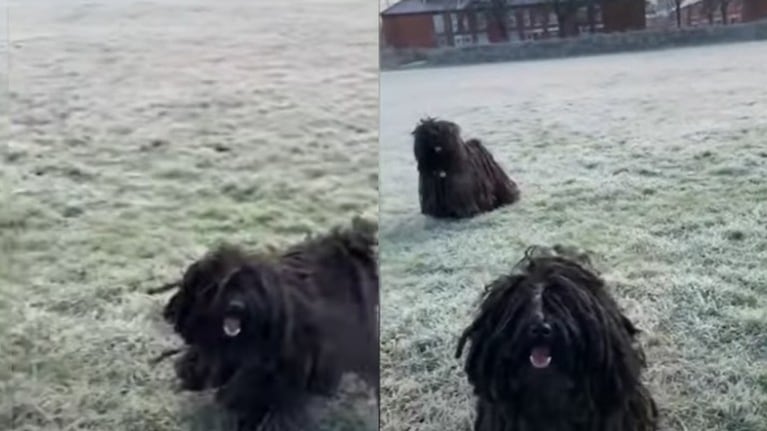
[[540, 330]]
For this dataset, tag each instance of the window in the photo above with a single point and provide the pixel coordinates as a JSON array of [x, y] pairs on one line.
[[439, 24], [462, 40], [526, 17], [481, 22], [454, 22], [582, 15], [512, 20]]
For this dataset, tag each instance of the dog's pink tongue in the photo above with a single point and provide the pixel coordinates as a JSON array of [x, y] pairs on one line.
[[232, 326], [540, 357]]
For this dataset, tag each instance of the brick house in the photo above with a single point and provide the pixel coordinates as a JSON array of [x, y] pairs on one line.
[[696, 13], [702, 12], [436, 23], [526, 19], [431, 24], [705, 12], [623, 15], [754, 10]]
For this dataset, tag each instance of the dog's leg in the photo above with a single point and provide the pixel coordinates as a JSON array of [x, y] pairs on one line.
[[462, 195], [192, 370], [291, 419], [506, 192]]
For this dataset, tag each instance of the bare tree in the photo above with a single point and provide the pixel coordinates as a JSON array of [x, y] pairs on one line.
[[678, 5], [498, 13], [709, 8], [592, 15], [565, 10], [723, 4]]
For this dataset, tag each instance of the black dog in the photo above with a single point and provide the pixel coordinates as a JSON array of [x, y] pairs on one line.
[[457, 179], [551, 350], [270, 332]]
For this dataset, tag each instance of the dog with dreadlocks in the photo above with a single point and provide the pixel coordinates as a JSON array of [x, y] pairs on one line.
[[457, 178], [551, 350], [269, 332]]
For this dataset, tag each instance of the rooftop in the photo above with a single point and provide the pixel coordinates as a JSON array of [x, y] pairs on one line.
[[412, 7], [409, 7]]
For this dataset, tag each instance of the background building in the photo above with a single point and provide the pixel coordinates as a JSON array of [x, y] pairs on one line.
[[437, 23]]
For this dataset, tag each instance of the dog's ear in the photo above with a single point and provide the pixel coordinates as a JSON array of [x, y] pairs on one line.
[[172, 309], [453, 128], [487, 339], [617, 374], [262, 282], [423, 122]]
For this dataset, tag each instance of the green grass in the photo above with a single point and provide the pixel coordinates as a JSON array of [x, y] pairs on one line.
[[141, 134], [657, 172]]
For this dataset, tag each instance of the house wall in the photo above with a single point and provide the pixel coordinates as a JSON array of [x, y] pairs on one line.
[[754, 10], [409, 31], [535, 22], [623, 15], [531, 22], [462, 24], [601, 43], [698, 14], [539, 22], [494, 32]]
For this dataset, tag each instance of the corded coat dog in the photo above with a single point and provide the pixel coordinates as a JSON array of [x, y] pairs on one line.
[[457, 178], [550, 350], [269, 332]]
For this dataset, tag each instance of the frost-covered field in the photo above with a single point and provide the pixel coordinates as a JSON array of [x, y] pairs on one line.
[[141, 133], [657, 162]]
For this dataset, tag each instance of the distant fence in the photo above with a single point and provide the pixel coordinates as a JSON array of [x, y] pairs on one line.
[[592, 44]]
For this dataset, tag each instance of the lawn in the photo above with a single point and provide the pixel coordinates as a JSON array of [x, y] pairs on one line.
[[656, 162], [142, 133]]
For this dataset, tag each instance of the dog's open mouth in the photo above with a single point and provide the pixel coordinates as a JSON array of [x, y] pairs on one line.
[[232, 326], [540, 357]]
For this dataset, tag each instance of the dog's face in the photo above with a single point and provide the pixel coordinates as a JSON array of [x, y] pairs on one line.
[[186, 309], [246, 318], [248, 303], [435, 142], [236, 319], [551, 329]]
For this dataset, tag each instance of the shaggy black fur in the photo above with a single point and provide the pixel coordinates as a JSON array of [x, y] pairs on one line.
[[457, 178], [269, 332], [552, 351]]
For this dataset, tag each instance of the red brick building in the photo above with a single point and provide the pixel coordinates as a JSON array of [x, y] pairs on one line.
[[705, 12], [430, 24], [754, 10], [437, 23], [696, 13]]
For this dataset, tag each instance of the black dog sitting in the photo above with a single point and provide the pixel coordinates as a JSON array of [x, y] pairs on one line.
[[457, 178], [551, 350], [270, 332]]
